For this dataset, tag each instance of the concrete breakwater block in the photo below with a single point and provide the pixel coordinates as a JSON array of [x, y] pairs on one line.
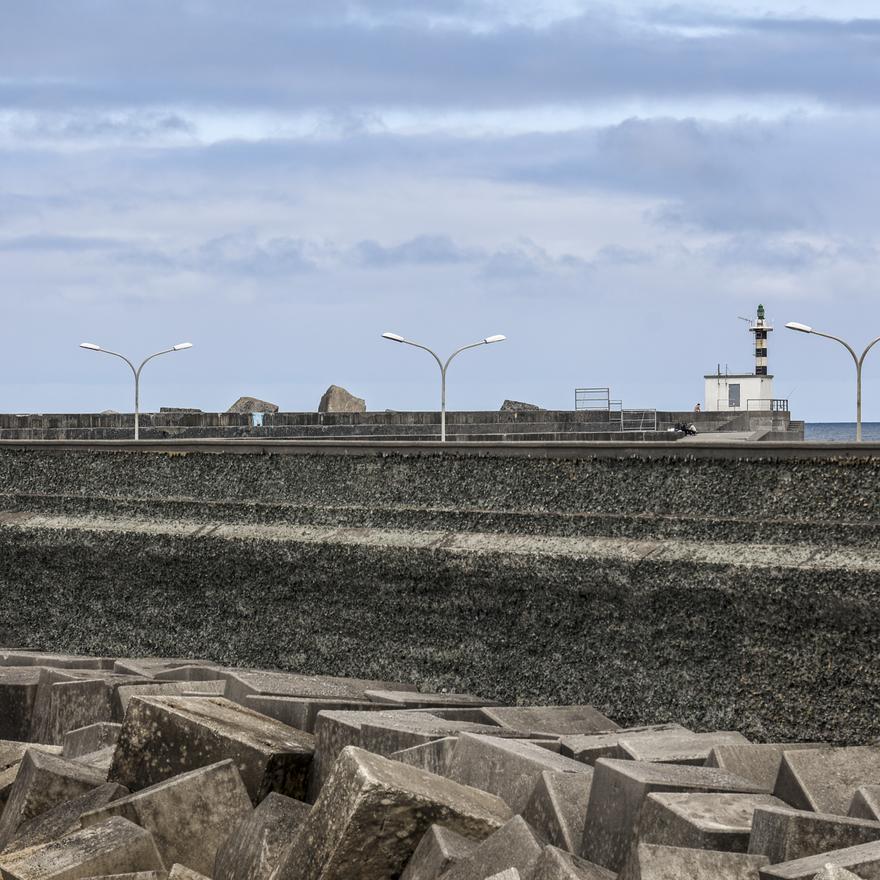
[[164, 736], [388, 783]]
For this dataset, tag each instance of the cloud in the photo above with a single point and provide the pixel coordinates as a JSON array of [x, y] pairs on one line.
[[421, 250], [379, 55]]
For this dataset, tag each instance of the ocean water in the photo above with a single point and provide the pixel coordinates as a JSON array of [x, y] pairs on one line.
[[841, 431]]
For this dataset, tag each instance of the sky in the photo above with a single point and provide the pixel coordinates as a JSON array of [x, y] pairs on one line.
[[610, 185]]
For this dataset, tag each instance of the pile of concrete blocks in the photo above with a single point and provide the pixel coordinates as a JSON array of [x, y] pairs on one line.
[[181, 769]]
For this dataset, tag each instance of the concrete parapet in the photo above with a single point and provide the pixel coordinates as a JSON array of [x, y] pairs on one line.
[[726, 586]]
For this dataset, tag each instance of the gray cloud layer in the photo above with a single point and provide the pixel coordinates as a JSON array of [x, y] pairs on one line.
[[592, 183]]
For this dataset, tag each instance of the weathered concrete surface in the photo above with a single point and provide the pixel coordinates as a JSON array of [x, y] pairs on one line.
[[269, 755], [862, 860], [756, 761], [372, 813], [115, 847], [43, 782], [259, 842], [650, 862], [714, 820], [825, 780], [63, 818], [433, 756], [618, 792], [91, 738], [509, 768], [557, 807], [597, 561], [438, 850], [514, 845], [557, 864], [783, 834], [189, 815], [865, 803]]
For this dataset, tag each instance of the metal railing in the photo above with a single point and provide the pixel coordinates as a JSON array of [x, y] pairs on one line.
[[775, 404], [592, 398]]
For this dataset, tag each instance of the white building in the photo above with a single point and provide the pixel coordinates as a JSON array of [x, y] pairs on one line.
[[744, 391]]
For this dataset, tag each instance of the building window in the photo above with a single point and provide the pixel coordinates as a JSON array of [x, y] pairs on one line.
[[733, 396]]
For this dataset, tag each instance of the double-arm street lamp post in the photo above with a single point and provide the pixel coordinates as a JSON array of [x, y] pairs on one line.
[[91, 346], [858, 360], [395, 337]]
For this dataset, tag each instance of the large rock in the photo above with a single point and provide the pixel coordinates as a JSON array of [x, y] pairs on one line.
[[336, 399], [619, 791], [508, 768], [382, 732], [70, 699], [862, 860], [433, 756], [825, 780], [717, 821], [18, 694], [756, 761], [513, 846], [557, 807], [252, 405], [519, 406], [438, 850], [11, 754], [677, 747], [372, 813], [63, 818], [117, 846], [416, 700], [650, 862], [240, 685], [91, 738], [188, 815], [865, 803], [553, 720], [556, 864], [260, 841], [61, 661], [168, 689], [43, 782], [588, 748], [164, 736], [302, 712], [784, 834]]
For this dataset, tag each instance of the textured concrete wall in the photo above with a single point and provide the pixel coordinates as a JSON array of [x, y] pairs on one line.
[[541, 425], [720, 588]]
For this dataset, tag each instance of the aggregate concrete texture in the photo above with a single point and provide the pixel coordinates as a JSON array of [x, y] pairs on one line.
[[725, 588]]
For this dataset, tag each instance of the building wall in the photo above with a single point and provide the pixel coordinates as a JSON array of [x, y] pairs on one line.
[[752, 388], [723, 588]]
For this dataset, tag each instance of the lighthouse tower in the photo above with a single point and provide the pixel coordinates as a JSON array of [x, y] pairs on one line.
[[744, 391], [761, 329]]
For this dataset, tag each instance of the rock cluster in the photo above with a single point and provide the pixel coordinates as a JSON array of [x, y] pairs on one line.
[[252, 405], [520, 406], [180, 769], [337, 400]]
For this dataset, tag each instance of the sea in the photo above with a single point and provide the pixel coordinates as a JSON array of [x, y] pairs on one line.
[[841, 431]]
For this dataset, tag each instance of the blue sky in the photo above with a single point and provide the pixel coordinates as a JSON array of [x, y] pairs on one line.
[[609, 185]]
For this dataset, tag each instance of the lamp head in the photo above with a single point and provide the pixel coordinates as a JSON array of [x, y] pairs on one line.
[[181, 346], [802, 328], [394, 337], [90, 346], [490, 339]]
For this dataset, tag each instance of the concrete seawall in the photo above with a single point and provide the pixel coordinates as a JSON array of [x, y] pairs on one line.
[[497, 426], [727, 587]]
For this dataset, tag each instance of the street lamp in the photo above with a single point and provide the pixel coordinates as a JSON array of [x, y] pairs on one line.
[[91, 346], [395, 337], [804, 328]]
